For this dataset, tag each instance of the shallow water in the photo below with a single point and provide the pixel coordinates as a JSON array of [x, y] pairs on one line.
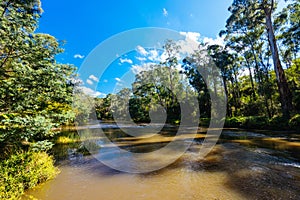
[[243, 165]]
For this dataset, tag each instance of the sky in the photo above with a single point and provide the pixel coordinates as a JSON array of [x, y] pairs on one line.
[[85, 24]]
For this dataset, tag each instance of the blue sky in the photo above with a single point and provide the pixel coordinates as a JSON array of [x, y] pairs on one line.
[[85, 24]]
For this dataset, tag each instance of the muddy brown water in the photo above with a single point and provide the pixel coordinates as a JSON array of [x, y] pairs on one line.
[[243, 165]]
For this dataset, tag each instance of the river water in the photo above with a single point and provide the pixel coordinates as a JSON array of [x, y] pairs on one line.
[[243, 165]]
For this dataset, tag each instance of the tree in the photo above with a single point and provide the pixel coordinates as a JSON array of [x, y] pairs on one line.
[[287, 22], [120, 104], [246, 17], [154, 88], [285, 94], [191, 68], [36, 91], [224, 61], [103, 107]]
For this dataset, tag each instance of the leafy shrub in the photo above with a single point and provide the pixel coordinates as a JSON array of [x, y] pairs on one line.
[[255, 122], [234, 122], [24, 170], [44, 145], [278, 122], [294, 122], [15, 128], [246, 122]]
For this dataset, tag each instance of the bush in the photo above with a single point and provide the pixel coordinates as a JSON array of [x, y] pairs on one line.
[[246, 122], [23, 171], [255, 122], [234, 122], [278, 122], [294, 122]]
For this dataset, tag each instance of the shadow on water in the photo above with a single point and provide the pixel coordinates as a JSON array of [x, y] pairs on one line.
[[256, 173]]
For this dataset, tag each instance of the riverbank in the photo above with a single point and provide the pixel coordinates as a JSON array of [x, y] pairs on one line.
[[255, 123]]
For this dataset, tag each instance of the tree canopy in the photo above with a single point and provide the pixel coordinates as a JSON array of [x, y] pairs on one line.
[[35, 89]]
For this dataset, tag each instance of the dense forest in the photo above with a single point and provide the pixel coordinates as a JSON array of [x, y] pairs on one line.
[[259, 67]]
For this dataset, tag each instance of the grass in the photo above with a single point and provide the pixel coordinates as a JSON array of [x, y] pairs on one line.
[[65, 140]]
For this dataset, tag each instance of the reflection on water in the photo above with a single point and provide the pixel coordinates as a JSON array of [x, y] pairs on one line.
[[243, 165]]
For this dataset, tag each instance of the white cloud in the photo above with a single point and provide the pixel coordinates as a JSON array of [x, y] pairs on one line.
[[94, 78], [141, 50], [136, 69], [211, 41], [105, 81], [90, 82], [165, 12], [78, 56], [92, 93], [126, 60], [194, 36], [154, 55], [190, 43], [118, 79], [119, 84], [141, 58]]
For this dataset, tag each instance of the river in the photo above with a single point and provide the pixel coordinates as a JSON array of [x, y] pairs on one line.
[[242, 165]]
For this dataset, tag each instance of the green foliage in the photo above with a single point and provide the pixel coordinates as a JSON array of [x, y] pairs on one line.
[[204, 122], [190, 67], [294, 122], [138, 110], [287, 22], [102, 106], [19, 128], [256, 122], [252, 108], [234, 122], [278, 122], [36, 91], [250, 33], [250, 122], [35, 96], [41, 146], [253, 98], [155, 92], [293, 75], [24, 170], [82, 106]]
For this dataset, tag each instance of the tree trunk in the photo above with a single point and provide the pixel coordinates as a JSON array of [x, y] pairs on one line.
[[285, 94], [229, 112], [251, 80]]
